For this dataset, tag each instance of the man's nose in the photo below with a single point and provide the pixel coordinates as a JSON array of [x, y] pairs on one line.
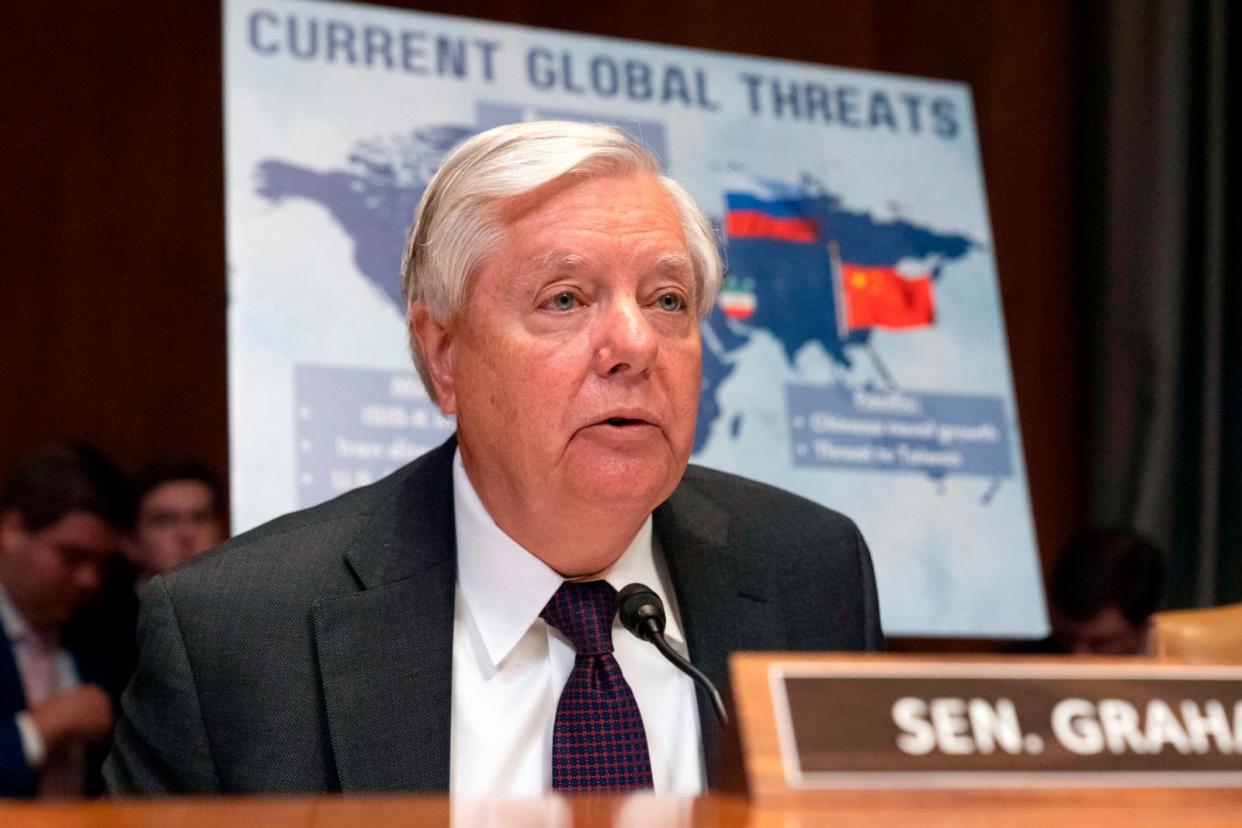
[[625, 343], [187, 536], [88, 577]]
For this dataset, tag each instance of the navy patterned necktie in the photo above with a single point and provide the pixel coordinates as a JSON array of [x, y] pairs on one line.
[[598, 741]]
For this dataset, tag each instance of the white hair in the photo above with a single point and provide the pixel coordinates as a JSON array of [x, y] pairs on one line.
[[457, 225]]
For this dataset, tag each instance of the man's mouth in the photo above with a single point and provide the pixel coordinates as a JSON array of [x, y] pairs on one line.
[[622, 422]]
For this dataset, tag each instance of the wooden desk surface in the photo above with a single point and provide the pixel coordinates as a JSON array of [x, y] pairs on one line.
[[1061, 810]]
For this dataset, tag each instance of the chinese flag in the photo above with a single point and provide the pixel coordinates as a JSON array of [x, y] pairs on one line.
[[880, 297]]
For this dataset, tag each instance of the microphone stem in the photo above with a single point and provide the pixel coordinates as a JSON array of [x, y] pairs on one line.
[[666, 649]]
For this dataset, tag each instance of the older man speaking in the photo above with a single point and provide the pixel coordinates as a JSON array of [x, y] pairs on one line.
[[453, 627]]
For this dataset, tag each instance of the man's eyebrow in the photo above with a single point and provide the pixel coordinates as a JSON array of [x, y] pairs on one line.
[[555, 260], [675, 264]]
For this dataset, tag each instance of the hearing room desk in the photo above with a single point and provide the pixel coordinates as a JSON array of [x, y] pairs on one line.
[[1125, 809]]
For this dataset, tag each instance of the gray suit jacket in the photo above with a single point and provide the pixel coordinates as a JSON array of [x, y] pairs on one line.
[[314, 653]]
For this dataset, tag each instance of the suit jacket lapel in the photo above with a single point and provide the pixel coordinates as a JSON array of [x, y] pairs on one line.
[[724, 597], [385, 652], [12, 694]]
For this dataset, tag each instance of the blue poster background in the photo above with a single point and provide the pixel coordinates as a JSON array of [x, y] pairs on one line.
[[824, 184]]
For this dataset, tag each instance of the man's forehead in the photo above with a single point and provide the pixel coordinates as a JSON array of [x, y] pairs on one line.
[[671, 263], [176, 492], [83, 531], [550, 194]]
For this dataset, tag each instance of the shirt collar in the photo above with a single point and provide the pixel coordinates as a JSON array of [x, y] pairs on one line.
[[642, 563], [505, 587], [15, 626]]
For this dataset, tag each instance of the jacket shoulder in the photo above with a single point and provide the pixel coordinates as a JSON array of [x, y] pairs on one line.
[[299, 554], [748, 502], [813, 558]]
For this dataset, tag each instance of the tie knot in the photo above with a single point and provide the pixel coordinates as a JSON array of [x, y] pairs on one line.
[[583, 611]]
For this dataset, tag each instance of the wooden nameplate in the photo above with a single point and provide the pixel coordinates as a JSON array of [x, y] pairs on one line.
[[818, 724]]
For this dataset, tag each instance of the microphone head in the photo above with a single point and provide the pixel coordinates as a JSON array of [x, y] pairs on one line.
[[638, 607]]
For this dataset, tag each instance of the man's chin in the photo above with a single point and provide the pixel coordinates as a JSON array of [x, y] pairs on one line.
[[52, 619], [625, 484]]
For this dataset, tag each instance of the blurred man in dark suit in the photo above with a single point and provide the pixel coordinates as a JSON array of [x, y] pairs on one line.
[[63, 512], [453, 627], [1102, 594], [178, 514]]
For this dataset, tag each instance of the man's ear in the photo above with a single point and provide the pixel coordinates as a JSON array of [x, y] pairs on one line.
[[12, 530], [131, 550], [435, 343]]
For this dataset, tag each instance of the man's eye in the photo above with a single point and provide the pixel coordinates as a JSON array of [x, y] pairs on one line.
[[73, 558], [562, 301], [671, 302]]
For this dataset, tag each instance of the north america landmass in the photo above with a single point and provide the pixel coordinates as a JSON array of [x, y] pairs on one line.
[[789, 285]]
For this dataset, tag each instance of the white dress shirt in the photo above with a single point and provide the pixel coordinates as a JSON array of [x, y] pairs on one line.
[[26, 651], [509, 666]]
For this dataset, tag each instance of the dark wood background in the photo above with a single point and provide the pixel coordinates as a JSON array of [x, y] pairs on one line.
[[113, 289]]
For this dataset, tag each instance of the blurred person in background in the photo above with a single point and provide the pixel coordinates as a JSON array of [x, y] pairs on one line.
[[1103, 591], [180, 515], [63, 512]]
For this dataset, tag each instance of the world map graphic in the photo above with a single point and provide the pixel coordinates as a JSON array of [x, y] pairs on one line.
[[856, 355], [789, 288]]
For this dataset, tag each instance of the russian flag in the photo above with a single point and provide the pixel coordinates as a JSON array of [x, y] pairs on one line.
[[759, 210]]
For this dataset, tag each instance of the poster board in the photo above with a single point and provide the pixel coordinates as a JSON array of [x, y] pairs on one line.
[[857, 355]]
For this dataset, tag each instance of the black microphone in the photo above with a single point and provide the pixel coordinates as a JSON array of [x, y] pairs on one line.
[[642, 613]]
